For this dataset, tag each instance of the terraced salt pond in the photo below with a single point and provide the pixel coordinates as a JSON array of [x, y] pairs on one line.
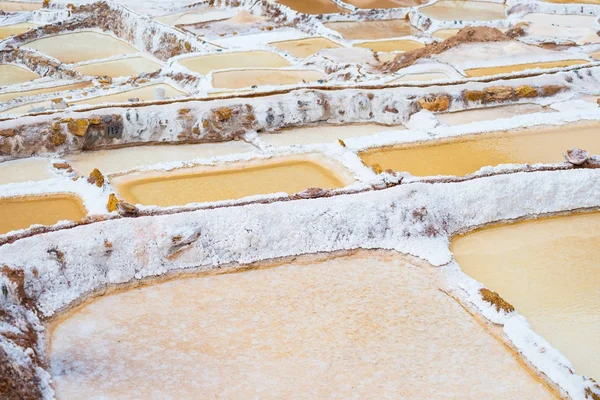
[[235, 79], [116, 68], [323, 328], [251, 59], [322, 133], [140, 94], [507, 69], [7, 96], [391, 45], [451, 10], [490, 113], [464, 155], [371, 30], [13, 74], [81, 46], [385, 3], [305, 47], [22, 212], [15, 6], [548, 269], [27, 169], [16, 29], [313, 6], [233, 181]]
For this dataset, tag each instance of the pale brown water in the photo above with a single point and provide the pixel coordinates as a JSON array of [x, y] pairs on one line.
[[8, 30], [507, 69], [369, 30], [391, 45], [263, 77], [450, 10], [11, 6], [461, 156], [313, 6], [22, 212], [81, 46], [26, 169], [573, 1], [12, 74], [305, 47], [385, 3], [367, 326], [251, 59], [549, 270], [118, 68], [142, 94], [490, 113], [13, 95], [191, 185]]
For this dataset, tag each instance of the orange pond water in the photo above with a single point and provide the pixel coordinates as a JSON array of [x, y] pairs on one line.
[[22, 212], [203, 184], [461, 156], [313, 6], [369, 30], [367, 326], [507, 69], [549, 270]]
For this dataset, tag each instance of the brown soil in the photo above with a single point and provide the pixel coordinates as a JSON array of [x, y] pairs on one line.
[[465, 35]]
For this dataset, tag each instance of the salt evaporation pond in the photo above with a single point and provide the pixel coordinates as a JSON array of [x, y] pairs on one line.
[[464, 155], [313, 6], [117, 68], [451, 10], [235, 79], [22, 212], [205, 64], [385, 3], [507, 69], [13, 74], [13, 6], [81, 46], [7, 96], [117, 160], [370, 325], [305, 47], [548, 270], [27, 169], [391, 45], [16, 29], [490, 113], [370, 30], [234, 181], [140, 94]]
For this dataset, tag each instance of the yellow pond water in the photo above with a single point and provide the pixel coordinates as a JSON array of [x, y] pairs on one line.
[[548, 269], [117, 68], [507, 69], [369, 30], [490, 113], [13, 74], [81, 46], [203, 184], [235, 79], [252, 59], [450, 10], [27, 169], [22, 212], [461, 156], [305, 47], [313, 6], [391, 45], [8, 30], [368, 326]]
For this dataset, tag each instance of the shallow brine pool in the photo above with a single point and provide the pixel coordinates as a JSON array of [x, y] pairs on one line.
[[371, 325], [22, 212], [465, 155], [549, 271], [236, 180]]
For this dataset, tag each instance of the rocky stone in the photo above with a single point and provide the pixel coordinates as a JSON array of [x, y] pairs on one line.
[[474, 95], [551, 90], [577, 156], [96, 178], [498, 93], [57, 138], [78, 127], [435, 103], [112, 203], [7, 132], [526, 91], [222, 114], [61, 165]]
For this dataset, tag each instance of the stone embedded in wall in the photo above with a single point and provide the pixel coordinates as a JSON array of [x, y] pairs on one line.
[[435, 103], [551, 90], [7, 132], [498, 93], [526, 91], [474, 95], [78, 127]]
